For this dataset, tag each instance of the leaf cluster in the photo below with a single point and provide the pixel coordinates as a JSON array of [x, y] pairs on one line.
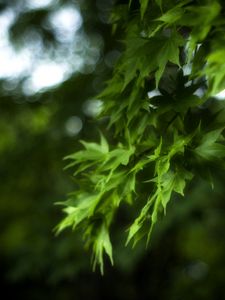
[[164, 126]]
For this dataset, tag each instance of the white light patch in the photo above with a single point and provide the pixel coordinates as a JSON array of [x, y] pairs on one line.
[[92, 108], [153, 93], [187, 69], [199, 92], [65, 22], [46, 75], [35, 4], [6, 19], [220, 95], [39, 68], [12, 64], [73, 126], [188, 83]]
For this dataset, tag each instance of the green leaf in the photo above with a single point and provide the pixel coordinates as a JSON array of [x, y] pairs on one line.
[[79, 208], [211, 152], [159, 3], [117, 157], [169, 52], [139, 221], [181, 176], [174, 14], [144, 6], [101, 244], [211, 137], [208, 148], [92, 152], [129, 187], [215, 70]]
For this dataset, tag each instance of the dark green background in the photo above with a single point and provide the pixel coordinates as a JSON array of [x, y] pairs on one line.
[[186, 258]]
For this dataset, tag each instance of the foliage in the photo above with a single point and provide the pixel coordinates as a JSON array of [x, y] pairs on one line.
[[34, 138], [162, 127]]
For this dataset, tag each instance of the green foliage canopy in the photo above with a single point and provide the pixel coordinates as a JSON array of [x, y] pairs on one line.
[[164, 126]]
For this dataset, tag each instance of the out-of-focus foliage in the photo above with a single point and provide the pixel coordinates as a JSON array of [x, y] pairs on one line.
[[40, 125], [159, 137], [38, 128]]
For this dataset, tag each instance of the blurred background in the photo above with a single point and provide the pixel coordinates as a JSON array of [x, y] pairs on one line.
[[55, 56]]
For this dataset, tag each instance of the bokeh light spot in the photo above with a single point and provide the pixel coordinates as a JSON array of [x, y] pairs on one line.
[[73, 126]]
